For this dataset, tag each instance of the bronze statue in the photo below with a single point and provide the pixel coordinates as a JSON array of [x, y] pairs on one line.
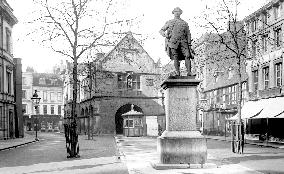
[[178, 41]]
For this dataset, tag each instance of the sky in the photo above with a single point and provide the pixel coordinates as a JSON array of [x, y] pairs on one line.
[[152, 15]]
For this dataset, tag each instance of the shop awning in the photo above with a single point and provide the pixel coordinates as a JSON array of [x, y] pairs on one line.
[[281, 115], [250, 109], [273, 108]]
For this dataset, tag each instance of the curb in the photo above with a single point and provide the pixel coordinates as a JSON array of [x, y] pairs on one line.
[[18, 145], [251, 143]]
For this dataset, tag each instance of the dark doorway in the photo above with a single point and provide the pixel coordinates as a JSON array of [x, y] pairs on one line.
[[11, 124], [119, 120]]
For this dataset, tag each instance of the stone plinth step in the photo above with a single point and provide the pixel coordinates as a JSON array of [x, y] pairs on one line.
[[160, 166]]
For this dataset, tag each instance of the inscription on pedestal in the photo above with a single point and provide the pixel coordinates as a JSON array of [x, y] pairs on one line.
[[181, 108]]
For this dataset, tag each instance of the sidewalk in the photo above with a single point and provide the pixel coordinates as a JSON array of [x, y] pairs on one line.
[[249, 141], [13, 143], [139, 154], [105, 154]]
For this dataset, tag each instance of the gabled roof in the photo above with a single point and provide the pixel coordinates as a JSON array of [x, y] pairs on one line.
[[129, 35], [134, 46]]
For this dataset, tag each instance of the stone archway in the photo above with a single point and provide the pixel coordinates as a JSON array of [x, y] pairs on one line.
[[119, 120]]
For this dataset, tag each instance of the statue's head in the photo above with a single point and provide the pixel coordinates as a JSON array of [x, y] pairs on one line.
[[177, 11]]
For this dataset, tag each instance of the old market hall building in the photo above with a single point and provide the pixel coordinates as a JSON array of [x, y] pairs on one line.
[[127, 77]]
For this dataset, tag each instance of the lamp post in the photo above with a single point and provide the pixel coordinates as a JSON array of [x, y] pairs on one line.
[[36, 100]]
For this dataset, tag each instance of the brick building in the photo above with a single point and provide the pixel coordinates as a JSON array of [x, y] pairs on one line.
[[126, 76], [10, 78], [217, 68], [265, 69]]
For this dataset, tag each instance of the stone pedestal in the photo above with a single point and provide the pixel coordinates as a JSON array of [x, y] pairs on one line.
[[181, 143]]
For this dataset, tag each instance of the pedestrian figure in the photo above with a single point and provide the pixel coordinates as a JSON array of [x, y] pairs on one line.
[[178, 41]]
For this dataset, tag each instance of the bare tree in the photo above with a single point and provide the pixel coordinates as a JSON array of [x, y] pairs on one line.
[[229, 40], [71, 28]]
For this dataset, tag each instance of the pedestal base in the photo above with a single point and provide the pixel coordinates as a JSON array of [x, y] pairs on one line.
[[182, 147], [159, 166]]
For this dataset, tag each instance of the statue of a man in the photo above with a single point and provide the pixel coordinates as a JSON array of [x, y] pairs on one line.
[[178, 41]]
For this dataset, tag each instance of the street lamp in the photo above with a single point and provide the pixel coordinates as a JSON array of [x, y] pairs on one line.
[[36, 100]]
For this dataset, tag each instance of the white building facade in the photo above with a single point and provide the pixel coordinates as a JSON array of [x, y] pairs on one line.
[[265, 48], [50, 89]]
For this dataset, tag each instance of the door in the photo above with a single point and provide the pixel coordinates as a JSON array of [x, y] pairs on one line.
[[11, 124]]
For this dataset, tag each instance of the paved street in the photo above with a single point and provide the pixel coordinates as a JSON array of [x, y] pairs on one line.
[[137, 156], [49, 156]]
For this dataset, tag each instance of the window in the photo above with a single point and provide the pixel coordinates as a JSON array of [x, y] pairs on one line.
[[44, 95], [224, 95], [9, 82], [265, 72], [8, 40], [2, 118], [277, 37], [264, 19], [278, 74], [25, 108], [24, 94], [138, 122], [254, 25], [121, 81], [128, 81], [255, 80], [212, 97], [136, 82], [244, 89], [52, 109], [264, 42], [59, 96], [44, 109], [277, 12], [52, 96], [232, 95], [219, 96], [129, 123], [254, 46], [59, 110]]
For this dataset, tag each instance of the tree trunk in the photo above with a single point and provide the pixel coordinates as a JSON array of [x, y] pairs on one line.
[[239, 128], [74, 145]]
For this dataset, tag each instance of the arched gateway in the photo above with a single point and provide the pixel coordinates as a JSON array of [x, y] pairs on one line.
[[118, 118]]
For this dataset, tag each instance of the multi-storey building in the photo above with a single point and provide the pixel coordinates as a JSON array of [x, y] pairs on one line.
[[10, 108], [265, 68], [217, 68], [126, 76], [50, 89]]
